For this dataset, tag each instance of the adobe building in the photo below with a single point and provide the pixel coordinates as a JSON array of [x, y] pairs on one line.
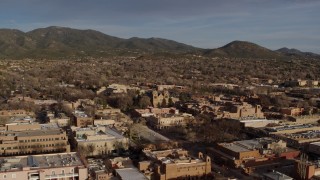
[[123, 169], [292, 111], [244, 111], [169, 120], [107, 111], [42, 167], [80, 119], [61, 119], [158, 98], [175, 164], [102, 138], [240, 153], [151, 111], [20, 139]]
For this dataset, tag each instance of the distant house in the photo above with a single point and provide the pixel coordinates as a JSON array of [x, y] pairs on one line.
[[292, 111]]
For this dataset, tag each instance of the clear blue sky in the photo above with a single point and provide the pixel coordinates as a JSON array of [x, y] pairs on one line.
[[202, 23]]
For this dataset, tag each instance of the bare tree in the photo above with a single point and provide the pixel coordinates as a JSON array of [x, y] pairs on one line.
[[83, 150], [91, 148], [302, 166]]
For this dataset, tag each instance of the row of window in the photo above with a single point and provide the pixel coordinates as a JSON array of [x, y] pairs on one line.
[[14, 176], [31, 152], [40, 140], [172, 122], [62, 171], [192, 168], [34, 146], [12, 113]]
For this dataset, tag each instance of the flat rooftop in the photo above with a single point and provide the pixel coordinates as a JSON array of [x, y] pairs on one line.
[[289, 127], [16, 163], [248, 145], [30, 133], [107, 134], [172, 156], [277, 175], [130, 174], [305, 135], [39, 132], [242, 146]]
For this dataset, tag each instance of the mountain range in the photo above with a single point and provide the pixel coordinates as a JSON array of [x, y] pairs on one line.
[[62, 42]]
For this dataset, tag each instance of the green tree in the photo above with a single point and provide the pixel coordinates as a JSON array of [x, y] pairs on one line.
[[164, 103], [170, 103], [144, 102]]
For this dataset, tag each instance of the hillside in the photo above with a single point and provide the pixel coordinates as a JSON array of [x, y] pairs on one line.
[[243, 49], [66, 42], [297, 53], [61, 42]]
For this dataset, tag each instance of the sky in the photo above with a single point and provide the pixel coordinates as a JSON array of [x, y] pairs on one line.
[[202, 23]]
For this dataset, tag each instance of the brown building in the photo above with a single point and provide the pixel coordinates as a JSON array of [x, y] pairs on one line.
[[292, 111], [243, 111], [175, 164], [44, 166], [81, 119], [19, 139]]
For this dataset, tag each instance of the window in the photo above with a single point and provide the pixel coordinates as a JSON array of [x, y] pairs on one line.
[[4, 176], [62, 171], [71, 170], [53, 173], [14, 176]]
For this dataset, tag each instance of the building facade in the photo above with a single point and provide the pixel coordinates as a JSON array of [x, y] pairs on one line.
[[99, 140], [159, 98], [176, 164], [41, 167], [22, 139]]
